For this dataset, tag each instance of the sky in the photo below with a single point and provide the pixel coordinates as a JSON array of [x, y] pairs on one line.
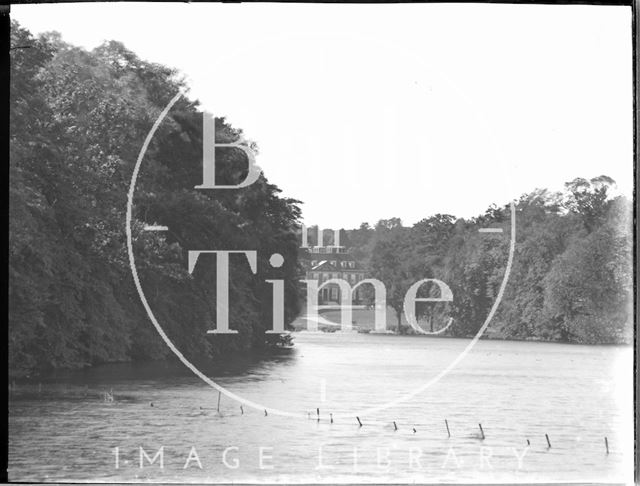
[[367, 112]]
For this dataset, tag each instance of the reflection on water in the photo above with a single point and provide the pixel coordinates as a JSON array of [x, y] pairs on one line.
[[519, 391]]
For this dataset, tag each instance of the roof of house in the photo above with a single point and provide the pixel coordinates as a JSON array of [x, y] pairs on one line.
[[325, 266]]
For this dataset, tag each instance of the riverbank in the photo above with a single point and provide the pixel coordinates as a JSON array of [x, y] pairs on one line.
[[299, 326], [363, 321]]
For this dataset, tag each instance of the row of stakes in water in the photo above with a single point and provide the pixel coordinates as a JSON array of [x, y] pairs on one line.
[[109, 397]]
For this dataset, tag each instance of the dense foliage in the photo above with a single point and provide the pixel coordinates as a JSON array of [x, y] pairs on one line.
[[571, 278], [78, 121]]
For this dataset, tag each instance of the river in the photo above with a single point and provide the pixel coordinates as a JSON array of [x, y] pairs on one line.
[[67, 429]]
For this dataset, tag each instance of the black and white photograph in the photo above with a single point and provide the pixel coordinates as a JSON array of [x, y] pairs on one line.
[[321, 243]]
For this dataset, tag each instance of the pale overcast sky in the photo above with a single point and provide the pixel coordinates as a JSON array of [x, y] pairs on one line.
[[402, 110]]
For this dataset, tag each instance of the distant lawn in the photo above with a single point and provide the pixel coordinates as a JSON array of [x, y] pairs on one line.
[[363, 319]]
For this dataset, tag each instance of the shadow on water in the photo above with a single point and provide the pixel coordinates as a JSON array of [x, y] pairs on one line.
[[90, 382]]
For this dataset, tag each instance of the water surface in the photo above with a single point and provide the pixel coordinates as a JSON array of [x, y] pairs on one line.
[[65, 430]]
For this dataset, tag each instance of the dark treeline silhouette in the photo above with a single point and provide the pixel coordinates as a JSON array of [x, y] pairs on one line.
[[571, 278], [78, 121]]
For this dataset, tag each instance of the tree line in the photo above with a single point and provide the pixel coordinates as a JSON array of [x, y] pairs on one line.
[[78, 121], [571, 278]]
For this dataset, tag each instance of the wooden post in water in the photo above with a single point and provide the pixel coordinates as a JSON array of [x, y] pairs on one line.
[[548, 442], [359, 423], [219, 395], [265, 412], [395, 427], [606, 444], [447, 424], [481, 431], [528, 443], [331, 417], [318, 413]]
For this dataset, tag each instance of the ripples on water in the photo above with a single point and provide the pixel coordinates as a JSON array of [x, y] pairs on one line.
[[516, 390]]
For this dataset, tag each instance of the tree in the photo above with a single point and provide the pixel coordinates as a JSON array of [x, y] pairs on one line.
[[589, 289], [589, 198], [388, 264], [78, 119], [570, 278]]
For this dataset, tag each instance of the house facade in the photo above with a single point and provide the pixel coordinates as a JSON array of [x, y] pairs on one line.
[[323, 263]]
